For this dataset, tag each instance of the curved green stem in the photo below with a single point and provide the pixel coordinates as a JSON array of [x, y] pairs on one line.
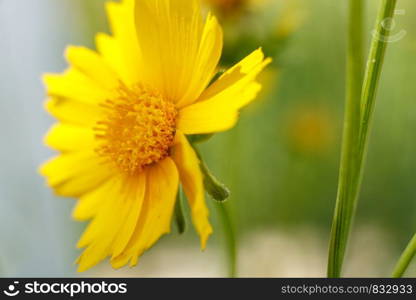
[[219, 192], [358, 117], [215, 188], [230, 241], [405, 259]]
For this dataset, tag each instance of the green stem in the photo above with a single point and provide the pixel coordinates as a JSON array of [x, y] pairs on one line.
[[405, 259], [230, 240], [374, 67], [358, 116], [345, 203]]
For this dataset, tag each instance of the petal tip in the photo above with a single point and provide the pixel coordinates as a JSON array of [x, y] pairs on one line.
[[204, 239]]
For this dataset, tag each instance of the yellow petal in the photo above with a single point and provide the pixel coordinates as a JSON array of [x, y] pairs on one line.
[[91, 203], [66, 137], [93, 66], [207, 60], [73, 112], [116, 211], [191, 178], [129, 64], [71, 175], [156, 213], [203, 118], [240, 74], [74, 85], [109, 48], [218, 107], [180, 51], [95, 201], [131, 219]]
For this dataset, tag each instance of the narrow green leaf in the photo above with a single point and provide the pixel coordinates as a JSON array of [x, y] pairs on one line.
[[358, 116]]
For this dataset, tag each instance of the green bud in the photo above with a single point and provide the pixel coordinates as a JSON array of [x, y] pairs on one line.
[[216, 189]]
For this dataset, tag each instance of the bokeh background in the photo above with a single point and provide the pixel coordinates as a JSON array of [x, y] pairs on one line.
[[280, 162]]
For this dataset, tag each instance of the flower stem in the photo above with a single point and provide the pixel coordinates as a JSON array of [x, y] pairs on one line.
[[374, 67], [405, 259], [345, 203], [358, 116], [219, 192], [230, 240]]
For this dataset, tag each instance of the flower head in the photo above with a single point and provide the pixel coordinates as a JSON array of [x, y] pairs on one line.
[[123, 114]]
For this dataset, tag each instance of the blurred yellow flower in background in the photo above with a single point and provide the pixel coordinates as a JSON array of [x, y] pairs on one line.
[[311, 130], [289, 20], [231, 7], [124, 112]]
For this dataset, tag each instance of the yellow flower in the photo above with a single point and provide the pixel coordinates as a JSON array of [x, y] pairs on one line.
[[124, 112]]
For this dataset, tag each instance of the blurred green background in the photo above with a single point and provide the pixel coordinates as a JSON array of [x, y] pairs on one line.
[[280, 162]]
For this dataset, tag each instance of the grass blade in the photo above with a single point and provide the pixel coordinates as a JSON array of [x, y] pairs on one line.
[[405, 259], [358, 116]]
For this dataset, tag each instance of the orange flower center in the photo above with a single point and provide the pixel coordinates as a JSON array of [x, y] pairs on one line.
[[138, 128]]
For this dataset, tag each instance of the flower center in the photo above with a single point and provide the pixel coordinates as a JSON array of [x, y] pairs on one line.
[[138, 128]]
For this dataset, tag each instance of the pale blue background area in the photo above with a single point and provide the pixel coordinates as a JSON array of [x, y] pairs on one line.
[[36, 232]]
